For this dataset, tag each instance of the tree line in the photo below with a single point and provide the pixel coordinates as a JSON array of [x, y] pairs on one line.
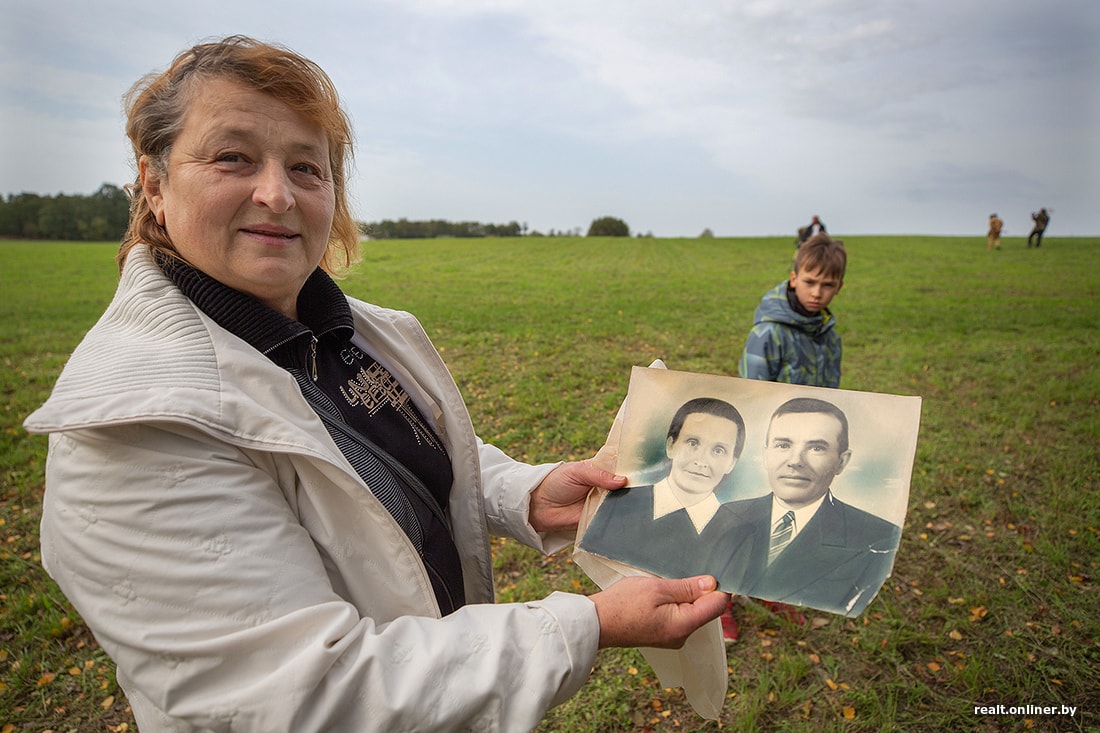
[[100, 217], [103, 216], [432, 228], [605, 226]]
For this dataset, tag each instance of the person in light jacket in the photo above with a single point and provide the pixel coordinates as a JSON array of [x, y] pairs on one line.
[[265, 498]]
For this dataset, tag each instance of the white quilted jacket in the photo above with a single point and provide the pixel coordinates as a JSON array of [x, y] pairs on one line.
[[234, 565]]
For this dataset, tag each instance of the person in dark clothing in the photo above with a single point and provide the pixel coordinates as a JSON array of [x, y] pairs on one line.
[[800, 543], [816, 226], [1041, 219]]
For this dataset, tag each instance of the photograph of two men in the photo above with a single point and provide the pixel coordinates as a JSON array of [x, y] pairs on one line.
[[782, 492]]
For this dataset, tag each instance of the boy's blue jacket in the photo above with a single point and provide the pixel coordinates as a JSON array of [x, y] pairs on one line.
[[786, 346]]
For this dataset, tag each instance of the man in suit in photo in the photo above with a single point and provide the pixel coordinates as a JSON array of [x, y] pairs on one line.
[[672, 528], [800, 544]]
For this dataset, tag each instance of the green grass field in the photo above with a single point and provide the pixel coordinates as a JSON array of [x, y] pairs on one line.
[[994, 596]]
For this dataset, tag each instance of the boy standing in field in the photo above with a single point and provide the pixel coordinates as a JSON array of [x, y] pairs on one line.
[[794, 338]]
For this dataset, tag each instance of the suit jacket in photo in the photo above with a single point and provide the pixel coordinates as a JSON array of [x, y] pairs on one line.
[[624, 529], [837, 562]]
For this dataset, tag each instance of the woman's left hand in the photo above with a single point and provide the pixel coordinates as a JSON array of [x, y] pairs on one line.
[[556, 503]]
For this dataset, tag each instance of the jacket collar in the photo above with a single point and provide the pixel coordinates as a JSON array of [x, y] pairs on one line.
[[778, 306], [322, 310]]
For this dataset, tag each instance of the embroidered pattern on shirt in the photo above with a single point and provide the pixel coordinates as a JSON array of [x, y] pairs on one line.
[[374, 386]]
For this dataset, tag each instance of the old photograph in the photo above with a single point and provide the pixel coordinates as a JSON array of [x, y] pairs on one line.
[[782, 492]]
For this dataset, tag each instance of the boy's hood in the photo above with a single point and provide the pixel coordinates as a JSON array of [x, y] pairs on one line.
[[775, 308]]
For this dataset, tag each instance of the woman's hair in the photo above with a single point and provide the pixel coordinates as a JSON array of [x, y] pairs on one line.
[[708, 406], [823, 254], [157, 105]]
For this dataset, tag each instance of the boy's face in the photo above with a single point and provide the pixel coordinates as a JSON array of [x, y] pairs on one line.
[[814, 289]]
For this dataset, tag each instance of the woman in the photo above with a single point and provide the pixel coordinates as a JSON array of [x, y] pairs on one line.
[[266, 499]]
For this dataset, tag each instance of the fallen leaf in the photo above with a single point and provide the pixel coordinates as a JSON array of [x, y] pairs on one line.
[[849, 713]]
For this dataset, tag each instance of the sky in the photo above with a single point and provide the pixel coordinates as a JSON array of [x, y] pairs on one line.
[[744, 117]]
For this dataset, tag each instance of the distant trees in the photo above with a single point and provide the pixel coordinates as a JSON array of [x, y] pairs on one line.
[[405, 229], [608, 226], [103, 216]]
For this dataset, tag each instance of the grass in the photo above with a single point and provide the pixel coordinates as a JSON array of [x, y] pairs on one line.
[[993, 598]]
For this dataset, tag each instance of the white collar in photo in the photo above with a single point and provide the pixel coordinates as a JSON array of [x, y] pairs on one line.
[[666, 502]]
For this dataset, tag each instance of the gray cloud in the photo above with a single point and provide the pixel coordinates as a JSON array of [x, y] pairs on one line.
[[745, 117]]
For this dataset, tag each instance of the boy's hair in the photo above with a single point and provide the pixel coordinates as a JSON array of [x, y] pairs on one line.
[[824, 254]]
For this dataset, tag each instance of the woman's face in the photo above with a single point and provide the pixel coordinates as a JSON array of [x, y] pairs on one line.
[[248, 195], [702, 455]]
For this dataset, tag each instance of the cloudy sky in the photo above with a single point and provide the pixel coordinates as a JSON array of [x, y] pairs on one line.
[[742, 116]]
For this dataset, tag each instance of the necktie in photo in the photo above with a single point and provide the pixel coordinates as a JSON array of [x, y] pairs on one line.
[[782, 533]]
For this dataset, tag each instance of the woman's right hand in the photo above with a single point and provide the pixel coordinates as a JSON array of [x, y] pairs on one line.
[[656, 612]]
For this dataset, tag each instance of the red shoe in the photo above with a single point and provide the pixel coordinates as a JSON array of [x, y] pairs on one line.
[[731, 631], [784, 611]]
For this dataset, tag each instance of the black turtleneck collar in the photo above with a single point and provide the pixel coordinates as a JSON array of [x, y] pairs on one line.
[[322, 311]]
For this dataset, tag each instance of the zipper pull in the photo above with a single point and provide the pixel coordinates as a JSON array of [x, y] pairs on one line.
[[313, 358]]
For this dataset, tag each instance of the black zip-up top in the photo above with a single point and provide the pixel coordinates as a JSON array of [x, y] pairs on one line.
[[366, 411]]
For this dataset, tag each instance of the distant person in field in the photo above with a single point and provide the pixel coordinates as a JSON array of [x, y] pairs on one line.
[[815, 227], [794, 338], [994, 234], [266, 498], [1041, 219]]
